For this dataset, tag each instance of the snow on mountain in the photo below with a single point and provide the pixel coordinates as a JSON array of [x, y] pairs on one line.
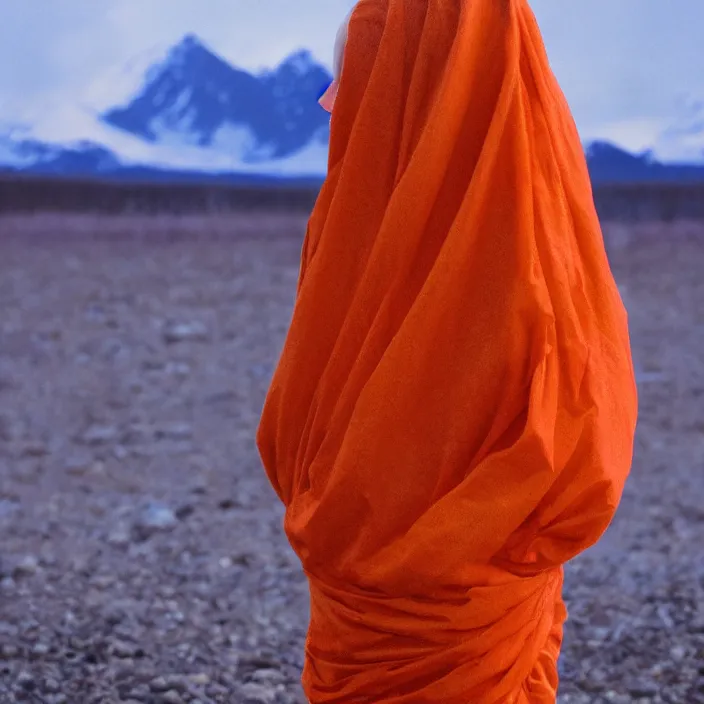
[[190, 111], [9, 153], [195, 98], [185, 109]]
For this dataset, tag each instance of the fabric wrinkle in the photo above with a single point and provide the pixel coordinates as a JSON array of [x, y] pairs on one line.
[[452, 416]]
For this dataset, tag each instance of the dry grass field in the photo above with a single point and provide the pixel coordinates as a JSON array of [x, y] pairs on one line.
[[141, 551]]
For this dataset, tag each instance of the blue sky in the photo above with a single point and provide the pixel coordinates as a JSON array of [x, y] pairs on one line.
[[625, 65]]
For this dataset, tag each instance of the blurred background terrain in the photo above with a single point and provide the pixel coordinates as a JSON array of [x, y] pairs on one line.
[[157, 166]]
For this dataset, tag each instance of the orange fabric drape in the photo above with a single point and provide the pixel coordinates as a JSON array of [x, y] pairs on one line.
[[453, 414]]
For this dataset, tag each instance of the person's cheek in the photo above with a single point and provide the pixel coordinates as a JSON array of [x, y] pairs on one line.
[[327, 100]]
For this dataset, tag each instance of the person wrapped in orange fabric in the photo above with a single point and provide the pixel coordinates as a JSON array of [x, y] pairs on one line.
[[453, 414]]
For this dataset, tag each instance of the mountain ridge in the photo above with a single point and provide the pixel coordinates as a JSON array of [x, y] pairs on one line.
[[198, 96], [196, 116]]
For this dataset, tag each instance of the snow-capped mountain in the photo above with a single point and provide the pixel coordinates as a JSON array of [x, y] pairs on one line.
[[188, 113], [196, 98], [610, 164], [192, 112]]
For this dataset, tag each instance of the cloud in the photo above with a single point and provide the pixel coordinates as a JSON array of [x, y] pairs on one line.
[[623, 64], [621, 60]]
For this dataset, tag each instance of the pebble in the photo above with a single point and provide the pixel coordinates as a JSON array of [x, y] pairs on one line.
[[100, 434], [193, 331], [57, 699], [180, 369], [51, 686], [174, 431], [26, 680], [141, 692], [267, 676], [157, 517], [253, 693], [216, 594], [120, 535], [159, 684], [35, 448], [122, 649], [27, 566], [9, 651], [644, 690], [78, 465], [678, 653], [200, 679]]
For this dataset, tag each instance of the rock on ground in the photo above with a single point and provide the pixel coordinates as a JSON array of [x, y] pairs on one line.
[[142, 558]]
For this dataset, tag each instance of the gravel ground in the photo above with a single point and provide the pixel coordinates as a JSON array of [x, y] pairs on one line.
[[141, 552]]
